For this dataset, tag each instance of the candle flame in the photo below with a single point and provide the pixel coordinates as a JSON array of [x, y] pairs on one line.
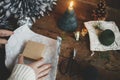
[[71, 4]]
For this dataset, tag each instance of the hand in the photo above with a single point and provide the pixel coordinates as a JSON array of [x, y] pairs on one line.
[[39, 67], [4, 33]]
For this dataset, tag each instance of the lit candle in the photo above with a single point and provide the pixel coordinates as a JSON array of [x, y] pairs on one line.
[[77, 35], [71, 5]]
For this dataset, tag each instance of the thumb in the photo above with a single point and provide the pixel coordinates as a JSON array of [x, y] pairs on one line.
[[21, 59]]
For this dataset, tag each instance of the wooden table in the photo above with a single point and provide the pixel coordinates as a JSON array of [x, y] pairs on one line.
[[107, 63]]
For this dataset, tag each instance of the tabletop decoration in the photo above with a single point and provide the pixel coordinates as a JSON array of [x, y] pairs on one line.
[[25, 8], [68, 21], [100, 12], [110, 33], [77, 35], [84, 32]]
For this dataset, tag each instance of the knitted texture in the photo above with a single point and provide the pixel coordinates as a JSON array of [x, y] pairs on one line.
[[22, 72]]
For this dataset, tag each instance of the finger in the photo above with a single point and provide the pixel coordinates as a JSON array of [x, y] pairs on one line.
[[45, 72], [43, 77], [43, 68], [5, 33], [21, 59], [3, 41], [39, 62]]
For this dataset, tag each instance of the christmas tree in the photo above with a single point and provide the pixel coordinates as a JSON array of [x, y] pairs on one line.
[[100, 12], [68, 21]]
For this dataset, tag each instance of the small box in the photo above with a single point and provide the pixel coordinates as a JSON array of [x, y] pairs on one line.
[[34, 50]]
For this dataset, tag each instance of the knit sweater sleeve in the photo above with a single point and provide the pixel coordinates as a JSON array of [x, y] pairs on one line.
[[22, 72]]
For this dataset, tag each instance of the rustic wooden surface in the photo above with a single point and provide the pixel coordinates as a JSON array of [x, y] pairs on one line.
[[108, 69]]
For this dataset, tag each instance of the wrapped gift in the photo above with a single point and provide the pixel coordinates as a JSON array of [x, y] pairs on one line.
[[95, 28], [16, 44]]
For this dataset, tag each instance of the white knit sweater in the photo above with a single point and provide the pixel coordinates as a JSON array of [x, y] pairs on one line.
[[22, 72]]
